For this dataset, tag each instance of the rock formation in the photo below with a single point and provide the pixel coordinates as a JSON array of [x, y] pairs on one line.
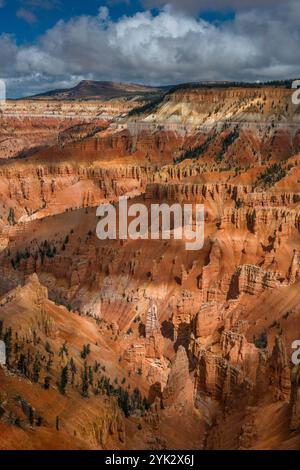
[[154, 345]]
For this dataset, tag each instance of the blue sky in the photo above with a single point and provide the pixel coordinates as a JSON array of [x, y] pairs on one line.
[[26, 20], [46, 44], [46, 14]]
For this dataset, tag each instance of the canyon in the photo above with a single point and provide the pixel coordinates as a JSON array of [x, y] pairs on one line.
[[141, 344]]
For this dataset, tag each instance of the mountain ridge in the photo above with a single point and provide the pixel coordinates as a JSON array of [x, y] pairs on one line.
[[93, 89]]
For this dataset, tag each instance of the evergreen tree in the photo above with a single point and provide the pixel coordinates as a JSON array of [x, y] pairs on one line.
[[36, 368], [85, 381], [11, 217], [63, 352], [47, 381], [85, 351], [124, 401], [57, 423], [8, 345], [64, 377], [21, 365], [73, 370]]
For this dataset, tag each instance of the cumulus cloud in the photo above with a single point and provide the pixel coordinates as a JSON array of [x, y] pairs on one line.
[[165, 48]]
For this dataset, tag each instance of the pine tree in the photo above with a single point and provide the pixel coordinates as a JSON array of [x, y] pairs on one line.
[[124, 401], [8, 345], [85, 381], [11, 217], [47, 381], [57, 423], [21, 365], [85, 351], [73, 369], [63, 351], [36, 368], [64, 377]]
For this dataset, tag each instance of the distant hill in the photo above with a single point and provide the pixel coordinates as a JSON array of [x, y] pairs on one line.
[[89, 90], [106, 90]]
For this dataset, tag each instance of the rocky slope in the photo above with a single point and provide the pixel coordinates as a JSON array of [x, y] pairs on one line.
[[196, 345], [29, 125]]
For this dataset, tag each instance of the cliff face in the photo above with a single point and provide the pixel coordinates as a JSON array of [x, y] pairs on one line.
[[28, 125], [188, 349], [212, 105]]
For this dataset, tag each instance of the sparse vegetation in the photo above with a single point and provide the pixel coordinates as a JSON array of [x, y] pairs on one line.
[[262, 341], [64, 377], [85, 351], [226, 143], [11, 217], [272, 175], [195, 152]]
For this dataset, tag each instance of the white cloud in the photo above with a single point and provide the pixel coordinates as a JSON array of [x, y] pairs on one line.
[[26, 15], [103, 13], [8, 50], [169, 47]]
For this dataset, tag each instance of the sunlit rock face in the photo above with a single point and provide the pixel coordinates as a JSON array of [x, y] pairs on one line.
[[156, 347]]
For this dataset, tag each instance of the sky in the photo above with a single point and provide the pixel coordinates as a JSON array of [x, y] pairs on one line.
[[50, 44]]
